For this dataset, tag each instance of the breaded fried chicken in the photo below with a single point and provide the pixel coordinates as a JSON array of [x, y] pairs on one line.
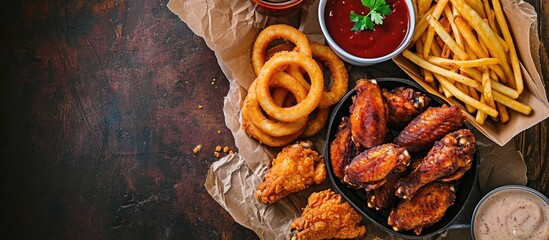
[[295, 168], [327, 216]]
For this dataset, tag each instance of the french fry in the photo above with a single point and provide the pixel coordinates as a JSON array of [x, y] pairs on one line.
[[422, 25], [416, 13], [427, 75], [450, 17], [435, 49], [469, 100], [474, 93], [423, 6], [487, 87], [481, 116], [463, 63], [511, 103], [447, 93], [501, 41], [428, 41], [486, 33], [477, 6], [465, 89], [519, 84], [436, 69], [448, 40], [507, 91], [469, 37], [503, 113]]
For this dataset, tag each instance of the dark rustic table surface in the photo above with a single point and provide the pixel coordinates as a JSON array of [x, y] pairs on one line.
[[100, 116]]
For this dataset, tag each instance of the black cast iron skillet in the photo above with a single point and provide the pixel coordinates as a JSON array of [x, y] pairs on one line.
[[357, 198]]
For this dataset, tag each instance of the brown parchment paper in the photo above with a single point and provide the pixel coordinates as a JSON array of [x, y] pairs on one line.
[[229, 28]]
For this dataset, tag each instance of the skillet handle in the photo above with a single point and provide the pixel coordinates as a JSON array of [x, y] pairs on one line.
[[460, 226]]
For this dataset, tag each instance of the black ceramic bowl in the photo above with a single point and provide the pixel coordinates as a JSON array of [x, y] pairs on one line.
[[357, 198]]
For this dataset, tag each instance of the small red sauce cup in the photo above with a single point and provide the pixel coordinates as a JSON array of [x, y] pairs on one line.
[[277, 7], [368, 47]]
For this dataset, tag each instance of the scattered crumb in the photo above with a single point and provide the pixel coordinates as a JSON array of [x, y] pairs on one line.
[[226, 149], [200, 107], [216, 154], [213, 83], [197, 148], [218, 131], [218, 148]]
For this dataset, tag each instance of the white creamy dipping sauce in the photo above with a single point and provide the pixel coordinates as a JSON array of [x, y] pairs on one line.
[[512, 214]]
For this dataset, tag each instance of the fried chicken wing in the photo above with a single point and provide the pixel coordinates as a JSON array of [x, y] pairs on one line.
[[424, 209], [327, 216], [450, 157], [384, 196], [295, 168], [371, 168], [342, 149], [368, 117], [429, 127], [404, 104]]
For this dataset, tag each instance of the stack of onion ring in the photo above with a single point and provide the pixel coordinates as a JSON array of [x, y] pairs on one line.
[[282, 105]]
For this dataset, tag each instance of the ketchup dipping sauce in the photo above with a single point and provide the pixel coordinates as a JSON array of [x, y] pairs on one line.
[[512, 212], [379, 42]]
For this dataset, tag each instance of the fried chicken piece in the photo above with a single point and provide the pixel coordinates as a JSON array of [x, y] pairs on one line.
[[424, 209], [451, 156], [327, 216], [404, 104], [371, 168], [295, 168], [368, 118], [384, 196], [342, 149], [429, 127]]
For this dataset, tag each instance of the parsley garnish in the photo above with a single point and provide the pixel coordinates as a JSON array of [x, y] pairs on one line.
[[378, 10]]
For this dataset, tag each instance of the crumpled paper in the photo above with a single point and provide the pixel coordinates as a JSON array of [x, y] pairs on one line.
[[229, 29]]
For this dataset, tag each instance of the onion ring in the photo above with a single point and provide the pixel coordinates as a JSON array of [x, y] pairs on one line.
[[295, 71], [301, 109], [279, 95], [278, 48], [273, 32], [276, 128], [262, 137], [317, 123], [340, 79]]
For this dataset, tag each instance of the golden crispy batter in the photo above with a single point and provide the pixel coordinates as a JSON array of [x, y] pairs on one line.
[[342, 149], [327, 216], [424, 209], [375, 165], [368, 119], [429, 127], [295, 168], [451, 157], [404, 104]]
